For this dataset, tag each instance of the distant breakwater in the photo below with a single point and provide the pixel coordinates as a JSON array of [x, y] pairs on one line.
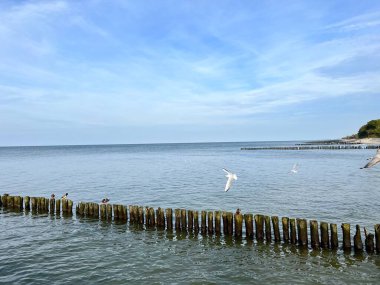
[[312, 147], [299, 232]]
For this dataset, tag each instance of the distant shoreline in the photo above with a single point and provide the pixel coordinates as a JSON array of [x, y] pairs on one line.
[[369, 141]]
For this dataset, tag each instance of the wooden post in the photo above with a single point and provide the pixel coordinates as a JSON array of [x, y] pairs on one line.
[[259, 222], [276, 229], [160, 218], [4, 200], [302, 232], [103, 211], [46, 200], [293, 232], [230, 223], [139, 214], [224, 218], [86, 211], [14, 202], [285, 229], [238, 225], [58, 206], [147, 217], [217, 223], [69, 207], [64, 205], [10, 202], [27, 203], [18, 205], [324, 227], [96, 210], [248, 220], [37, 204], [203, 222], [358, 244], [377, 237], [109, 211], [52, 206], [334, 236], [80, 209], [196, 222], [190, 220], [123, 212], [169, 219], [131, 214], [210, 222], [369, 243], [1, 201], [268, 232], [152, 217], [115, 211], [183, 220], [34, 203], [314, 234], [177, 214], [346, 236], [90, 209]]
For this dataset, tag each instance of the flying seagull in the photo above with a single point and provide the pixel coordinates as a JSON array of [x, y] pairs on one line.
[[295, 168], [231, 177], [375, 160]]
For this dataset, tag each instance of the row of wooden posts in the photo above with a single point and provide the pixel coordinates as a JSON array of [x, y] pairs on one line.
[[259, 227], [311, 147]]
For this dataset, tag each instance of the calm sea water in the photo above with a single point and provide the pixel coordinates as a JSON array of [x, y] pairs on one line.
[[329, 186]]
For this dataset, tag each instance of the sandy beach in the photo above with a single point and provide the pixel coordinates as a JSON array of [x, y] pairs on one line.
[[362, 141]]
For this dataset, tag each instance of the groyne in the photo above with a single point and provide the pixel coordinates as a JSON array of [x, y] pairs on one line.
[[262, 228], [314, 147]]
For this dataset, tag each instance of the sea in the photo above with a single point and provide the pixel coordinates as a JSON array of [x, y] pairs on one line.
[[46, 249]]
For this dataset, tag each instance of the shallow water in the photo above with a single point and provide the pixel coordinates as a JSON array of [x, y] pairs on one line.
[[42, 249]]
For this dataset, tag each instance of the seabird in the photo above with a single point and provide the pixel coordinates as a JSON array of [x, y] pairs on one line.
[[231, 176], [105, 201], [295, 168], [375, 160], [65, 196]]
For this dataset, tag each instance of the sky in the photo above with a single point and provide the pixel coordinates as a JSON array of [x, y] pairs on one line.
[[115, 72]]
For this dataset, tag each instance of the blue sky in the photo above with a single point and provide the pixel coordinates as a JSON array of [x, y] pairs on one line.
[[93, 72]]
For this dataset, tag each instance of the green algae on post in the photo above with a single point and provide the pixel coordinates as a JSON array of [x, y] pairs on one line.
[[334, 235], [324, 228], [285, 229], [346, 236], [259, 222], [358, 244], [248, 220], [302, 232], [238, 225], [276, 228], [314, 235]]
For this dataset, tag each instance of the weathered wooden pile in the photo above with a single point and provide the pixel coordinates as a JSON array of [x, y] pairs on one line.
[[259, 227]]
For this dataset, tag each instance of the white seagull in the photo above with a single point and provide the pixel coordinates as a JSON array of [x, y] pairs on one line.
[[295, 168], [375, 160], [231, 177]]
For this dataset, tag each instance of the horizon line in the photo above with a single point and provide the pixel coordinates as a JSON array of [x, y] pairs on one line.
[[162, 143]]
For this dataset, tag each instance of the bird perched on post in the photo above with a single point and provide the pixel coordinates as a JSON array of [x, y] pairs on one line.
[[64, 197], [105, 200]]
